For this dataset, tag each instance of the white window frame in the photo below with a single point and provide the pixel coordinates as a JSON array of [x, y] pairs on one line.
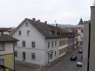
[[22, 44], [28, 32], [48, 44], [4, 60], [31, 44], [20, 32], [2, 44], [32, 56]]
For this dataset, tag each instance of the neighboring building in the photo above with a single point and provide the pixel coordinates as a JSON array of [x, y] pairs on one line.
[[89, 43], [7, 52], [91, 56], [86, 46], [79, 32], [62, 40], [6, 31], [39, 43], [76, 42]]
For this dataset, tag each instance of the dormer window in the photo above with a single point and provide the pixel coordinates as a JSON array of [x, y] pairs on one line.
[[26, 24]]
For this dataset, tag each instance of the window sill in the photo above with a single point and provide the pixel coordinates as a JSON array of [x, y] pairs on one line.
[[33, 59], [28, 36], [19, 35]]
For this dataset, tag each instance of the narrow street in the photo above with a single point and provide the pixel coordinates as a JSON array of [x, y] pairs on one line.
[[68, 65]]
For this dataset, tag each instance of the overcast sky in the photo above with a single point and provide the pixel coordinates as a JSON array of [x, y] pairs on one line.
[[13, 12]]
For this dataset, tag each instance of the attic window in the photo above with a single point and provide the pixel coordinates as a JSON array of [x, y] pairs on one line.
[[26, 24]]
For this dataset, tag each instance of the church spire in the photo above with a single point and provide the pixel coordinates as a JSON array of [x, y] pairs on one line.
[[80, 22]]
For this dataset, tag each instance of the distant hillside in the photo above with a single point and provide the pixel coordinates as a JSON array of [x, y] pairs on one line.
[[63, 26], [8, 27]]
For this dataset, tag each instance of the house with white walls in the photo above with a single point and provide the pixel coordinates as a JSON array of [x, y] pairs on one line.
[[39, 42]]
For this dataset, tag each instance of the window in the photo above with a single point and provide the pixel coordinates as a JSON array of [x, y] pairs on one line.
[[55, 53], [19, 32], [1, 61], [62, 50], [60, 43], [33, 55], [2, 46], [15, 53], [48, 44], [28, 33], [33, 44], [23, 43], [59, 51], [55, 43], [26, 24], [15, 44], [52, 44], [51, 56], [1, 33]]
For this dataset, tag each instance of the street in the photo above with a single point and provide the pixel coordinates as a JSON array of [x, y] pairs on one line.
[[65, 65], [68, 65]]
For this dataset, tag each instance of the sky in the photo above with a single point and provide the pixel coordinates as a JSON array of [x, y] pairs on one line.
[[13, 12]]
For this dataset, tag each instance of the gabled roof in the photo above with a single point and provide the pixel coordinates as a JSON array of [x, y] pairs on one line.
[[46, 30], [80, 22], [7, 38], [40, 26]]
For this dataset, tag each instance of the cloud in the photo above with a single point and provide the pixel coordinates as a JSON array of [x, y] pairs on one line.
[[12, 12]]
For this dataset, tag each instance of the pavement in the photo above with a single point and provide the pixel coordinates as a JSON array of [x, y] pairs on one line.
[[49, 67]]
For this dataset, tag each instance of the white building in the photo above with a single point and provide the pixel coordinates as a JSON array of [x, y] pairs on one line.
[[36, 43]]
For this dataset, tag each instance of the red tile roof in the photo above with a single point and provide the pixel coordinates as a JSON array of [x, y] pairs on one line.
[[75, 29]]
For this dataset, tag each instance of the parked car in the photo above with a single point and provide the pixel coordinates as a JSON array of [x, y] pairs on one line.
[[79, 63], [73, 58], [80, 51]]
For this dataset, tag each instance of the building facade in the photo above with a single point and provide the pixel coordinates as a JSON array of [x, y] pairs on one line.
[[39, 43], [7, 52]]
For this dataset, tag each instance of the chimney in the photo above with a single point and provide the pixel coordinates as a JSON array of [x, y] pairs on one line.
[[45, 22], [56, 25], [38, 20], [34, 19]]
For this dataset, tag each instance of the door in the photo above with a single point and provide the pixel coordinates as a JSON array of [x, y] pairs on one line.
[[24, 56]]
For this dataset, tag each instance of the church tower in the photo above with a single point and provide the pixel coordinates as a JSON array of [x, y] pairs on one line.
[[80, 24]]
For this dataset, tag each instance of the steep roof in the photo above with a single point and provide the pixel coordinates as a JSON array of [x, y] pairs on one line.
[[42, 28], [48, 31], [7, 38], [80, 22]]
